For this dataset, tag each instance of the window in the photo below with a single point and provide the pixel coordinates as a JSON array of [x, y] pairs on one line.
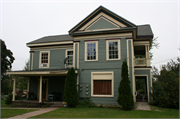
[[113, 50], [44, 59], [69, 55], [102, 84], [91, 51]]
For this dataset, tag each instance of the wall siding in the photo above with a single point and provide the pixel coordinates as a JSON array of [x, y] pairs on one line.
[[86, 67], [55, 56]]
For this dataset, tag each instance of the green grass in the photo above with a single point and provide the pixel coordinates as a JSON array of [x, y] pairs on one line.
[[3, 104], [110, 113], [6, 113]]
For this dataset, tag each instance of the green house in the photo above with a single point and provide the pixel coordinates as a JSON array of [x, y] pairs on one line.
[[96, 48]]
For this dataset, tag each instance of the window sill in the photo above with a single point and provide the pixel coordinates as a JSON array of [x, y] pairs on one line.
[[102, 95], [112, 59], [90, 60]]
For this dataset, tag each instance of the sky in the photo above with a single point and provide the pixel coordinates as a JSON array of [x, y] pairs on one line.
[[22, 21]]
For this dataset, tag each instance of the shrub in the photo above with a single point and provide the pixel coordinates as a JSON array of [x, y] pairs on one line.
[[86, 103], [125, 98], [166, 86], [8, 100], [70, 91]]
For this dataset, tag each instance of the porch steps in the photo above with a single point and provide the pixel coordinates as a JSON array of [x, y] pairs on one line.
[[56, 105]]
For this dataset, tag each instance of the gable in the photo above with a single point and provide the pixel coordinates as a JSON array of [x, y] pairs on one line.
[[102, 23], [101, 18]]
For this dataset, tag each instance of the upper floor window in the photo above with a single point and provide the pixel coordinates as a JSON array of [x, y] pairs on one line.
[[44, 59], [113, 50], [91, 51], [69, 55]]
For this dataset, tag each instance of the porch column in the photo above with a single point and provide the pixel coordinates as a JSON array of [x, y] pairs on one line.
[[14, 89], [28, 88], [40, 90]]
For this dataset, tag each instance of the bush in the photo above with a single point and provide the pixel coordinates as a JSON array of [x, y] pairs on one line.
[[8, 100], [166, 86], [70, 91], [86, 103], [3, 97], [125, 98]]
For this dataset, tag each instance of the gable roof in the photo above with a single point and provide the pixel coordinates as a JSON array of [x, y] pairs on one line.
[[56, 38], [96, 12]]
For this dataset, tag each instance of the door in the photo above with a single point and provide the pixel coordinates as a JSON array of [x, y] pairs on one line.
[[141, 89], [44, 90]]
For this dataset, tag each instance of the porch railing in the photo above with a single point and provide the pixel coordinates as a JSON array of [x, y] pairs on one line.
[[141, 62]]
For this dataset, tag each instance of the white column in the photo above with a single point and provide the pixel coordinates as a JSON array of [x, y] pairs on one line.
[[40, 90], [14, 89], [77, 82], [28, 87]]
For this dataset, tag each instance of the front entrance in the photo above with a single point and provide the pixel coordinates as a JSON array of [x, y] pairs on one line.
[[141, 89], [44, 90]]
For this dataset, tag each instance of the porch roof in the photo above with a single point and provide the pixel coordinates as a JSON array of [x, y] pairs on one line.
[[40, 72]]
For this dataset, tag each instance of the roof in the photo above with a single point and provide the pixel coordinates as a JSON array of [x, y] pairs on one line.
[[56, 38], [97, 11], [144, 30]]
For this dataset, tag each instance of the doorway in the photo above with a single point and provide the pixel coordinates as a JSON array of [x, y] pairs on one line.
[[141, 88], [44, 90]]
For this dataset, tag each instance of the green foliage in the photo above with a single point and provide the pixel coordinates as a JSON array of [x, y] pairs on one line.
[[8, 100], [21, 82], [70, 91], [6, 58], [140, 86], [125, 98], [86, 103], [166, 86]]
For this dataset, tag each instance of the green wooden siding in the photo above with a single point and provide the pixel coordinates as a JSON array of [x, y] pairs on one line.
[[102, 24], [86, 67], [55, 56]]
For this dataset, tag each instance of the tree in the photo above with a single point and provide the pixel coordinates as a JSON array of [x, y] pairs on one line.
[[166, 85], [70, 91], [6, 58], [21, 82], [6, 64], [153, 44], [125, 98]]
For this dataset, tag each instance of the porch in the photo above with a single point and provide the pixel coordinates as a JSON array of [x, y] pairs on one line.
[[141, 54], [43, 86]]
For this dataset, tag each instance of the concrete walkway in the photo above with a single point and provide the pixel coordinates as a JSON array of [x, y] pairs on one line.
[[142, 106], [34, 113]]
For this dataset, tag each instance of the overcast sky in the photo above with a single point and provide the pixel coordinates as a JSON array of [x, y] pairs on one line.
[[23, 21]]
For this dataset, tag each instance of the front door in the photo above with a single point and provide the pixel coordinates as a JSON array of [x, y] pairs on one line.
[[44, 90]]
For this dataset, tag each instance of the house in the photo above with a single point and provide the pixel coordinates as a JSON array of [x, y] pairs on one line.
[[96, 48]]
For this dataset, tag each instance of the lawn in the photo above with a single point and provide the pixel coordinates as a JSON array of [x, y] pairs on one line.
[[3, 104], [110, 113], [6, 113]]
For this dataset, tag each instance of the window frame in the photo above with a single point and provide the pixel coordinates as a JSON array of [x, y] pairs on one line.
[[40, 56], [66, 54], [102, 78], [107, 49], [85, 54]]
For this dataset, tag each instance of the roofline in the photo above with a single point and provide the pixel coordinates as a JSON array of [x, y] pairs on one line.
[[48, 43], [96, 10], [102, 32], [37, 73]]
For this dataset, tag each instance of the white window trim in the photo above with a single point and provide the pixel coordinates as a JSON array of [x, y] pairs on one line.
[[107, 49], [85, 54], [102, 78], [40, 58], [66, 56]]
